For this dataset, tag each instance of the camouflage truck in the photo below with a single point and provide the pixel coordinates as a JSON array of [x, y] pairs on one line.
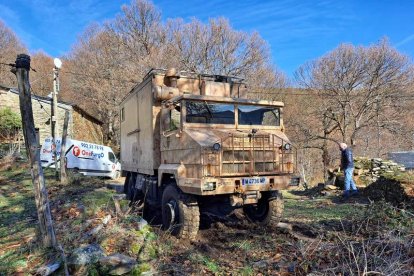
[[194, 143]]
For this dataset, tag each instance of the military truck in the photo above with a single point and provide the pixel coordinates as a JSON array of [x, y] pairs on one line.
[[194, 143]]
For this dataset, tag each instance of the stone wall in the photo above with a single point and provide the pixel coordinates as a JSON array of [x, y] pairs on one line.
[[86, 130], [80, 127]]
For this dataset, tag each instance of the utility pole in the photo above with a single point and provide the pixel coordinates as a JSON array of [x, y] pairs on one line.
[[47, 231], [63, 175], [54, 110]]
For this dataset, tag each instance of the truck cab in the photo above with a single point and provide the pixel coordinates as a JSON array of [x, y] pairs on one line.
[[211, 148]]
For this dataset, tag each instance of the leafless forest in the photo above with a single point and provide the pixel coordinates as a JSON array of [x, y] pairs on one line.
[[362, 95]]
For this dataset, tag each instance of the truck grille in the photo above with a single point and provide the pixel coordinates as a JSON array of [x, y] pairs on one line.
[[250, 155]]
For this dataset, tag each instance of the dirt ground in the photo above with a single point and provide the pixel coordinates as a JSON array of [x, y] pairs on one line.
[[323, 235]]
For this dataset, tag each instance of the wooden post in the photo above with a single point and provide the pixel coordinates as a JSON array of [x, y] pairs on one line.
[[47, 232], [63, 175]]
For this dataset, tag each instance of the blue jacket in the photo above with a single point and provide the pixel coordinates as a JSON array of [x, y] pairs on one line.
[[347, 160]]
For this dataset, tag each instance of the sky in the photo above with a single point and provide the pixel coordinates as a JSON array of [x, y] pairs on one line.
[[297, 31]]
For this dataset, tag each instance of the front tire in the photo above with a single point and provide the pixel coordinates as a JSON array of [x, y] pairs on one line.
[[180, 213], [268, 211]]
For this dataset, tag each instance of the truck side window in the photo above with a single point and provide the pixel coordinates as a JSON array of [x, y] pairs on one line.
[[111, 157], [175, 118]]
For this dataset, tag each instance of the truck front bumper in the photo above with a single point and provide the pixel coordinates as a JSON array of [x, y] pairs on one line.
[[237, 185]]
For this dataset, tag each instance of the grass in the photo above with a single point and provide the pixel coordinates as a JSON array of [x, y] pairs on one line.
[[207, 262], [17, 217], [245, 245], [246, 271], [407, 177], [97, 200], [317, 209], [19, 251]]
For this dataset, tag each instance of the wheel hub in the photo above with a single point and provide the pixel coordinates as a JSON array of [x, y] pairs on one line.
[[171, 209]]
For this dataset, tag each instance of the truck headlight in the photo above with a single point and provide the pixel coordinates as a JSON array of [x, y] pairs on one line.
[[216, 146], [209, 186], [287, 146]]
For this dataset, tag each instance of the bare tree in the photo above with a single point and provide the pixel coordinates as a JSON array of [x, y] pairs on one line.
[[359, 87], [10, 46], [42, 83], [140, 32], [108, 60], [97, 75], [217, 48]]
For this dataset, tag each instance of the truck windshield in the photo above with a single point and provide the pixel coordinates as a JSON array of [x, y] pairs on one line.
[[209, 113], [258, 115]]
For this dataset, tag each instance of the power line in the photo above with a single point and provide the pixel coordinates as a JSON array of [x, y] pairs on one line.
[[7, 64], [96, 77], [14, 65]]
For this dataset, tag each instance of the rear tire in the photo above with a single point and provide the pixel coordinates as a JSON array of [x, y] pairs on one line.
[[180, 213], [268, 211]]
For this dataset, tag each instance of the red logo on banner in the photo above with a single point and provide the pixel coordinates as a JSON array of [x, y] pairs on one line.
[[76, 151]]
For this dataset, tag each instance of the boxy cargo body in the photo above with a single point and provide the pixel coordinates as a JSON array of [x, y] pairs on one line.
[[199, 138]]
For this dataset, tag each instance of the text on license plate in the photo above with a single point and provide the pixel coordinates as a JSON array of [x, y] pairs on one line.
[[254, 180]]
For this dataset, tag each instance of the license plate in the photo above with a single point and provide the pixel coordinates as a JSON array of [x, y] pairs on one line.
[[254, 180]]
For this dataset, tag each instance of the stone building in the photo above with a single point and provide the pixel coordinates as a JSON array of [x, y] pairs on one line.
[[82, 125]]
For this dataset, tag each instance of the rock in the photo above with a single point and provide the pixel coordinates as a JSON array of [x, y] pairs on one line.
[[358, 172], [47, 269], [122, 269], [321, 185], [95, 230], [284, 226], [331, 187], [119, 196], [118, 264], [142, 223], [260, 264], [377, 160], [85, 255], [358, 166], [325, 193], [117, 259], [106, 219]]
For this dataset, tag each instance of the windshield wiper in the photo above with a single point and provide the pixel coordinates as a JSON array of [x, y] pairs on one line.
[[208, 109]]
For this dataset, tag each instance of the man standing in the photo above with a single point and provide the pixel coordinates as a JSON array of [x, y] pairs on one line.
[[347, 165]]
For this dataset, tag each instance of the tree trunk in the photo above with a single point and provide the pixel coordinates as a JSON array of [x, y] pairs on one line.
[[41, 197]]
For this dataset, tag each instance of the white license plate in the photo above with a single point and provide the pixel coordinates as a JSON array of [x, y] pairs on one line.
[[253, 180]]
